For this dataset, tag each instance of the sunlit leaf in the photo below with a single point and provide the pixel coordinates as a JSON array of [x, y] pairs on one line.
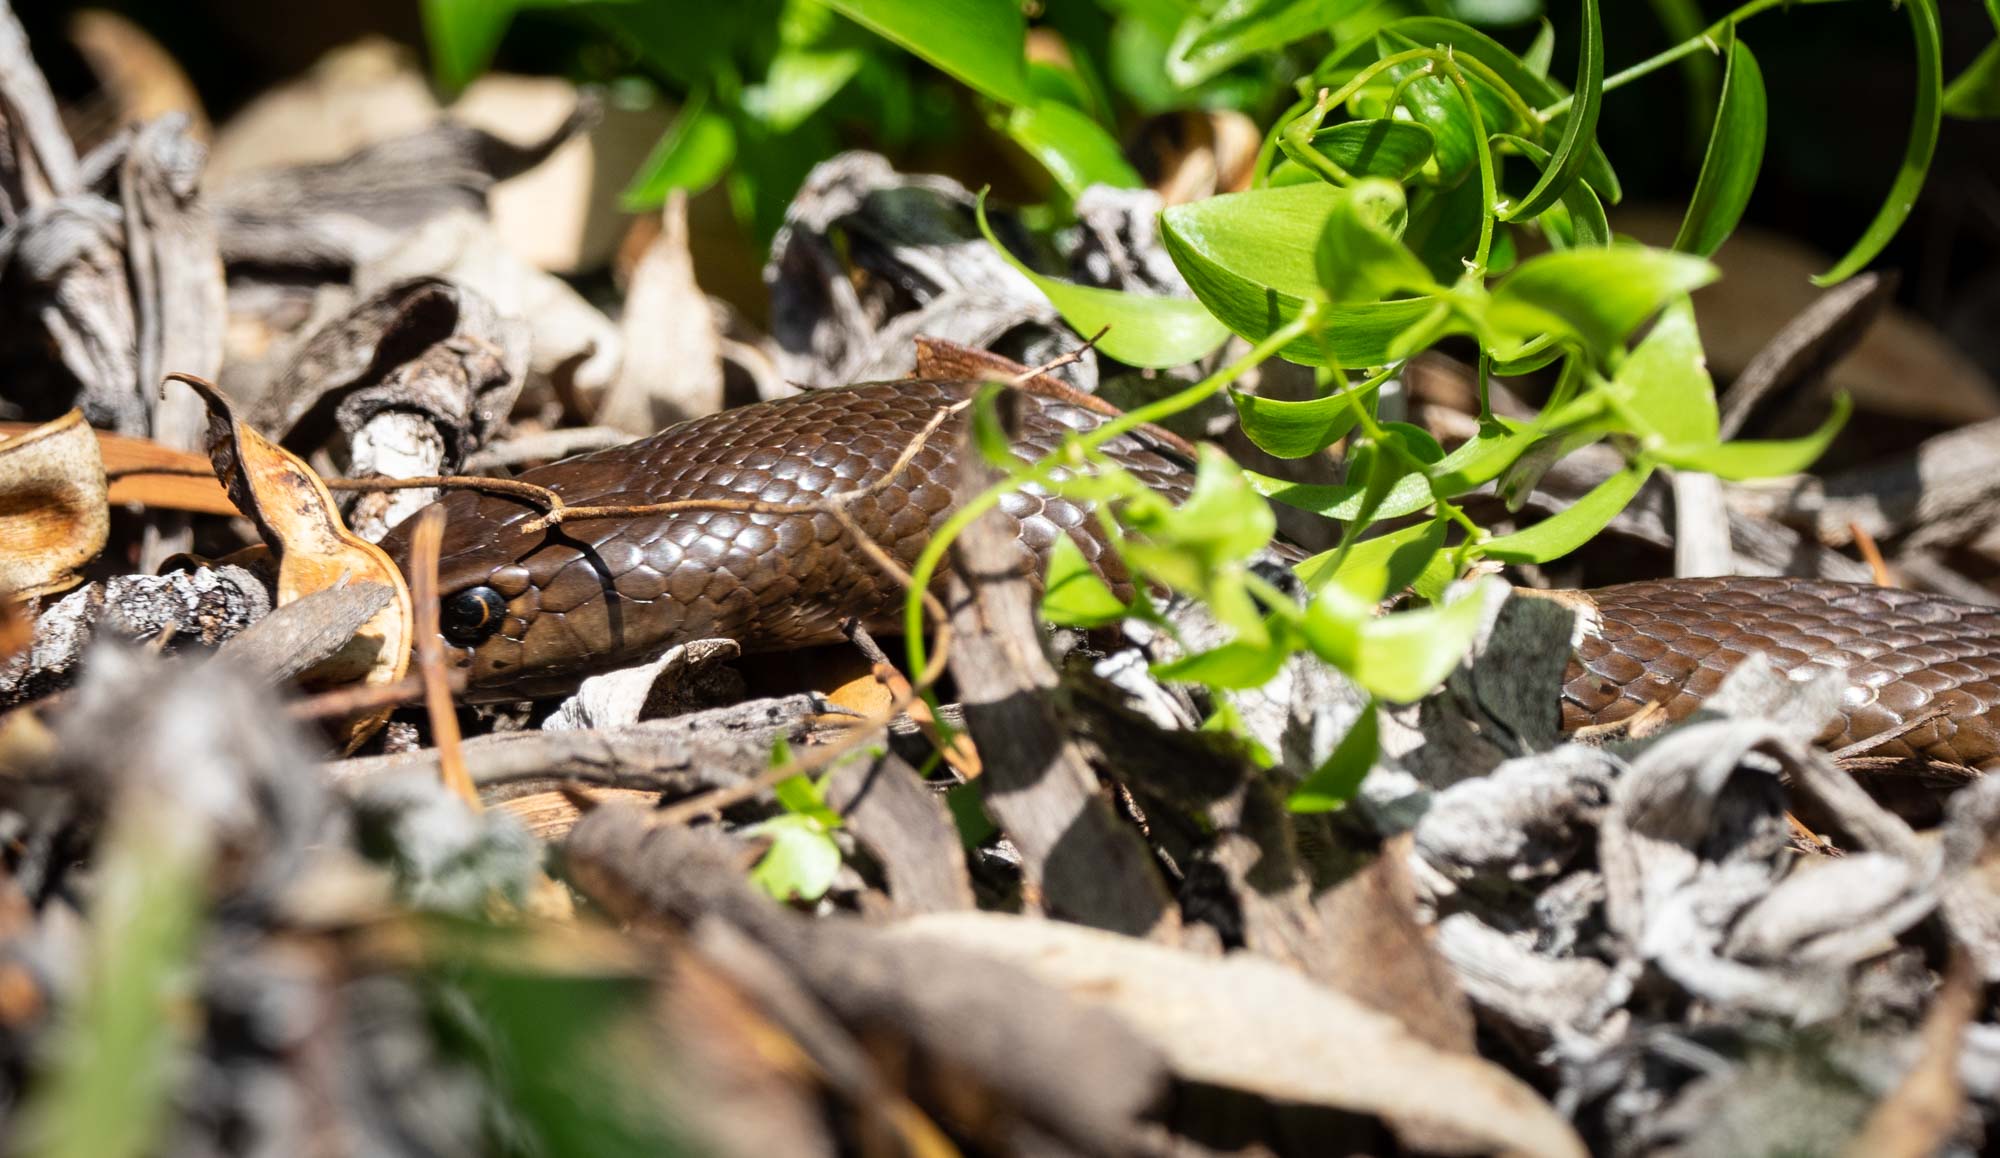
[[798, 84], [1381, 566], [1478, 461], [1665, 381], [1587, 223], [1536, 90], [462, 35], [1917, 149], [1335, 782], [801, 862], [1244, 28], [1361, 257], [1565, 531], [693, 154], [1735, 154], [980, 42], [1237, 665], [1376, 148], [1761, 459], [1074, 595], [1249, 258], [1298, 429], [1411, 493], [1601, 295], [1075, 150], [1579, 130], [1405, 655], [1148, 332]]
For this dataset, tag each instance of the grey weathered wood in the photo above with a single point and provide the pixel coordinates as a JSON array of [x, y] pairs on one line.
[[905, 824]]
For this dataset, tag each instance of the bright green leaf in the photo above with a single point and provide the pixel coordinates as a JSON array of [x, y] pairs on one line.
[[799, 796], [1917, 149], [1579, 130], [1233, 666], [798, 84], [980, 42], [1360, 255], [1587, 224], [1074, 595], [1075, 150], [1241, 29], [1378, 148], [1565, 531], [1298, 429], [1379, 567], [1666, 384], [1735, 154], [462, 35], [1411, 493], [1601, 295], [1249, 257], [801, 862], [696, 149], [1405, 655], [1335, 782], [1760, 459], [1148, 332]]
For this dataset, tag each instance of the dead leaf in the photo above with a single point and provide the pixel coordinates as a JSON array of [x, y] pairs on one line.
[[53, 513], [1250, 1024], [315, 550], [142, 79], [144, 472]]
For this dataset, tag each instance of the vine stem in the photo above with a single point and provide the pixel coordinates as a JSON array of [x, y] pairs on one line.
[[924, 571], [1704, 39]]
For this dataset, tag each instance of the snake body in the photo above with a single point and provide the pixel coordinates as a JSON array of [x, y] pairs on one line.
[[531, 614]]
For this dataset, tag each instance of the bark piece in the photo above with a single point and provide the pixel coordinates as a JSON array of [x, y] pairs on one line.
[[908, 830]]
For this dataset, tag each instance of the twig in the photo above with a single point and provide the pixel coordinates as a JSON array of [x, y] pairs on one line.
[[957, 750], [356, 699], [1872, 555], [425, 544]]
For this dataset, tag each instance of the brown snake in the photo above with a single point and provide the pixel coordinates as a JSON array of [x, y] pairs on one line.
[[531, 614]]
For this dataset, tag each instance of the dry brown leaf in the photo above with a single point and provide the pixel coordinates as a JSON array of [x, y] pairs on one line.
[[144, 472], [142, 79], [54, 516], [1248, 1023], [315, 550]]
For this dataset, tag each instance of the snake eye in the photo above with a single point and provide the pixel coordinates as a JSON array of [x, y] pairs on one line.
[[469, 616]]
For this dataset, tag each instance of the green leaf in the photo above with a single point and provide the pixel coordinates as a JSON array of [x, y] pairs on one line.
[[1587, 224], [1975, 95], [1478, 461], [1580, 129], [1565, 531], [1249, 257], [1404, 656], [1536, 90], [1541, 52], [1147, 332], [1241, 29], [798, 84], [1378, 567], [1600, 295], [1335, 782], [1360, 255], [799, 796], [1735, 154], [1075, 150], [1433, 100], [801, 862], [1203, 545], [1412, 493], [462, 35], [1378, 148], [979, 42], [118, 1058], [1233, 666], [1917, 150], [1666, 384], [1760, 459], [1074, 596], [696, 149], [1298, 429]]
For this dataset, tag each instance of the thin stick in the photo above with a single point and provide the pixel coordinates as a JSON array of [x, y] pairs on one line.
[[425, 544]]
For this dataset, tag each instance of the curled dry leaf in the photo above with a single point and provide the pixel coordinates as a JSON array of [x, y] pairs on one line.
[[315, 550], [144, 472], [53, 512]]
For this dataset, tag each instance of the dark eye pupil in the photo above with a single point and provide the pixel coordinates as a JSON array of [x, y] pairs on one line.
[[469, 616]]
